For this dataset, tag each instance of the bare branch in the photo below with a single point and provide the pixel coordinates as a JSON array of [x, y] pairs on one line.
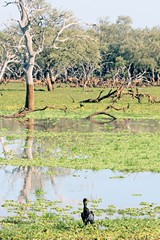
[[8, 3], [64, 26]]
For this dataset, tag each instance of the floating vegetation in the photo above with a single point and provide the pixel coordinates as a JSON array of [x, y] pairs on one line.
[[136, 194], [119, 177], [48, 221], [39, 193], [83, 151]]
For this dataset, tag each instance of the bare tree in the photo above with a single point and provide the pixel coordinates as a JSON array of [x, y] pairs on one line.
[[33, 24], [8, 52], [25, 26]]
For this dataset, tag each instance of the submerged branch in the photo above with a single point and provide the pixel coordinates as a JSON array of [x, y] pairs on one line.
[[111, 117], [100, 113]]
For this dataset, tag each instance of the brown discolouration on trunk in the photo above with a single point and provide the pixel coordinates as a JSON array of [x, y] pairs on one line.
[[49, 85], [29, 104]]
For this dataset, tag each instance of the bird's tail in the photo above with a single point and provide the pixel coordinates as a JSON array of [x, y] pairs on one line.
[[91, 218]]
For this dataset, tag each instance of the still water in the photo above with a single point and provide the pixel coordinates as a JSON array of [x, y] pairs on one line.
[[81, 125], [70, 186], [31, 147]]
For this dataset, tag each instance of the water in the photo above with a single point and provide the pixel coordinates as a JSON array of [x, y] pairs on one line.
[[81, 125], [68, 185], [27, 148]]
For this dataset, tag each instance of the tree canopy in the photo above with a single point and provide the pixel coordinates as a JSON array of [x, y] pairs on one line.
[[67, 48]]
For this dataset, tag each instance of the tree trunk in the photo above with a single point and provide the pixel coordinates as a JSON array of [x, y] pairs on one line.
[[2, 71], [158, 79], [29, 103], [49, 84], [153, 77], [52, 77], [25, 28]]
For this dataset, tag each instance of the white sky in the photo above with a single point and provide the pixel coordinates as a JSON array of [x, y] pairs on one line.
[[143, 12]]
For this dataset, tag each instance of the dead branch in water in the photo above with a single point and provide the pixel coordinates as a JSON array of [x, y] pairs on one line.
[[111, 117], [23, 112], [100, 113]]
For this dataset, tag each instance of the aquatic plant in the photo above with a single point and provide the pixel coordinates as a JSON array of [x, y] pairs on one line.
[[134, 223]]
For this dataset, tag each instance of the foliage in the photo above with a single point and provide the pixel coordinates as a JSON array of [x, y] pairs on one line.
[[106, 49]]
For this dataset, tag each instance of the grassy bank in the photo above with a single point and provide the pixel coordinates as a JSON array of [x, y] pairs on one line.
[[14, 96]]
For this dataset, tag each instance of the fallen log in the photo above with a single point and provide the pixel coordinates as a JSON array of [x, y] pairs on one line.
[[100, 113], [118, 109], [99, 98], [23, 112], [111, 117]]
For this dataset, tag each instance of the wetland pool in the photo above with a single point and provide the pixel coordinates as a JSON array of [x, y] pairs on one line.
[[81, 125], [29, 147], [70, 186]]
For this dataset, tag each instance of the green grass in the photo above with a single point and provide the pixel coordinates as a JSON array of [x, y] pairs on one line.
[[14, 97]]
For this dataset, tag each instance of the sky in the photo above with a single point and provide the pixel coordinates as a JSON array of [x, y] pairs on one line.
[[144, 13]]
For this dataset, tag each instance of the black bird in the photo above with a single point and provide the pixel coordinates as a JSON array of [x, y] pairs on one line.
[[87, 216]]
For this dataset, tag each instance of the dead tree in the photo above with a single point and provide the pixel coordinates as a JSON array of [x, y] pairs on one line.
[[100, 113], [32, 45], [99, 98]]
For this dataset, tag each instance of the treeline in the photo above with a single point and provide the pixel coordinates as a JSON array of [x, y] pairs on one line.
[[81, 54]]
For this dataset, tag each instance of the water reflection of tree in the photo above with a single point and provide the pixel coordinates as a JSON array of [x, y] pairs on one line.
[[4, 147], [30, 183], [8, 147], [34, 179], [28, 146], [136, 126]]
